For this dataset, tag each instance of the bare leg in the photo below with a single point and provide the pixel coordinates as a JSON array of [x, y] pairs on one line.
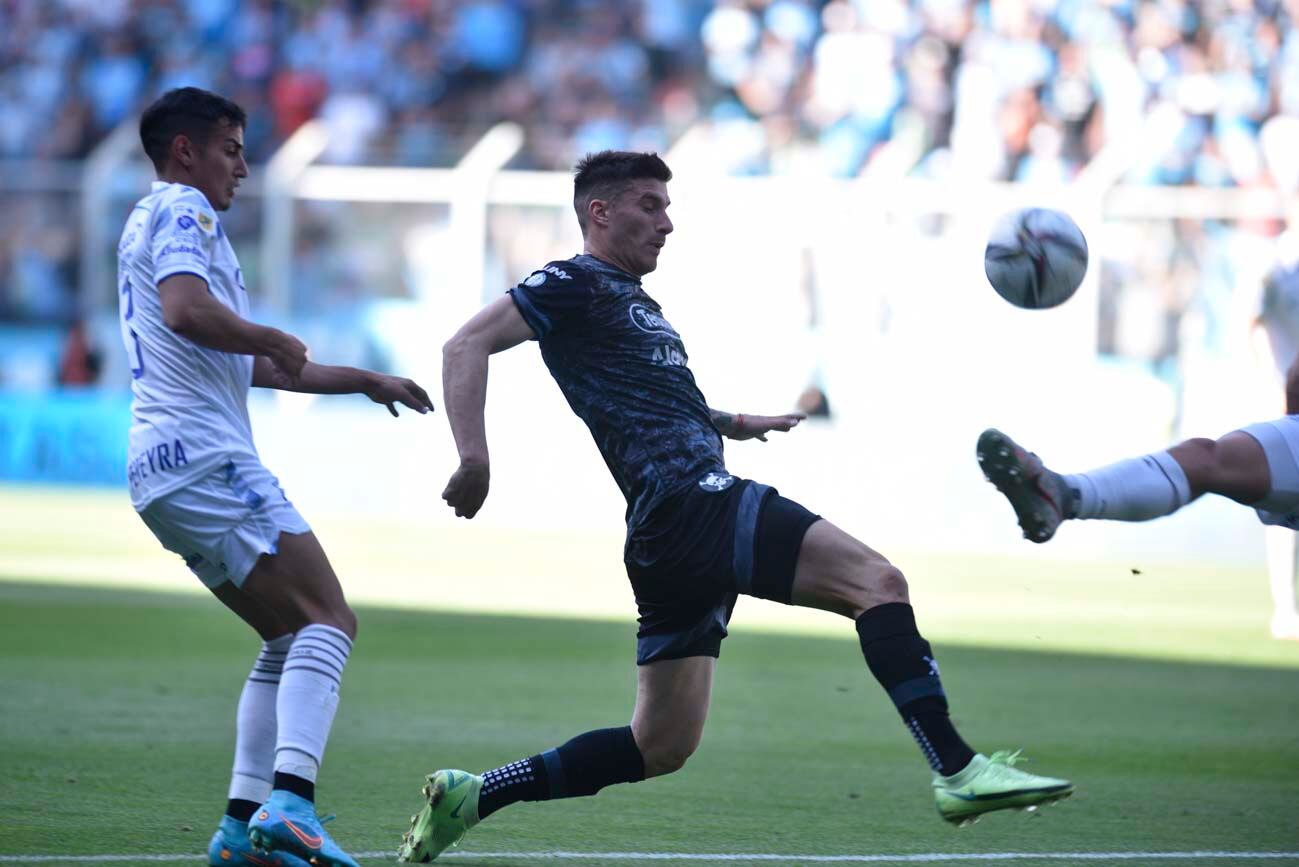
[[1234, 466], [837, 573], [1136, 489], [262, 619], [672, 699], [298, 584]]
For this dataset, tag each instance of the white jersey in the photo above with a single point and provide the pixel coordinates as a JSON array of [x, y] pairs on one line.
[[190, 411], [1279, 312]]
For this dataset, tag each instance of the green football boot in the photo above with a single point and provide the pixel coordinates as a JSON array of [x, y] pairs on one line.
[[988, 784], [451, 811]]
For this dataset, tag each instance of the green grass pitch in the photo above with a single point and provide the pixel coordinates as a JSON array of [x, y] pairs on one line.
[[1158, 693], [118, 709]]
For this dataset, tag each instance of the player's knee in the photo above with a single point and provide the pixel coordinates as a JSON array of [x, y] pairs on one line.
[[342, 618], [882, 583], [667, 757], [860, 581], [1197, 453], [664, 748], [334, 612], [1203, 463], [890, 584]]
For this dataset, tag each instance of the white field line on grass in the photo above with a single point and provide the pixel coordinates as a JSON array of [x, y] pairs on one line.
[[735, 857]]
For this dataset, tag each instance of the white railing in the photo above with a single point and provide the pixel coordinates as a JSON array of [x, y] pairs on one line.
[[98, 229], [914, 350], [282, 176], [802, 205]]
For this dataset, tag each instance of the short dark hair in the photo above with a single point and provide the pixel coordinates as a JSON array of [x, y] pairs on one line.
[[188, 111], [603, 175]]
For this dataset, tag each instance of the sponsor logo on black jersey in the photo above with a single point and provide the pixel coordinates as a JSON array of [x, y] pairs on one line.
[[650, 322]]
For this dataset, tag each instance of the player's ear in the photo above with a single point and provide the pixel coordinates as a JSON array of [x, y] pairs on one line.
[[597, 212], [183, 151]]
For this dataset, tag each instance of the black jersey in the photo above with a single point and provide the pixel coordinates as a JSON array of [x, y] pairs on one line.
[[622, 367]]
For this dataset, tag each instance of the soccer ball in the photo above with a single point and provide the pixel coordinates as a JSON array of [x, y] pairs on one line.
[[1036, 258]]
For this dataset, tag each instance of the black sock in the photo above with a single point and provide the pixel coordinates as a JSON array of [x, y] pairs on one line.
[[904, 665], [299, 786], [583, 766], [524, 780], [241, 810]]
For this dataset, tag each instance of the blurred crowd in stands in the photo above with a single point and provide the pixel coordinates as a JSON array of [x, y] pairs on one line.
[[1202, 92], [1015, 89]]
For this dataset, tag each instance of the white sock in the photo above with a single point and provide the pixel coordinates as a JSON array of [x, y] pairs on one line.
[[1137, 489], [308, 698], [255, 724]]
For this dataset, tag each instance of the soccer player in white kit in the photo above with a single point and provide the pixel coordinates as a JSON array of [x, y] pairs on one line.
[[1257, 466], [197, 482], [1278, 318]]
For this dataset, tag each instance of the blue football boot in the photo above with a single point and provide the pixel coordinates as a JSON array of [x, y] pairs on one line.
[[288, 823], [230, 847]]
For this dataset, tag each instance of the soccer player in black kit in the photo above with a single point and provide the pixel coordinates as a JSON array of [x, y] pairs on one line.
[[696, 535]]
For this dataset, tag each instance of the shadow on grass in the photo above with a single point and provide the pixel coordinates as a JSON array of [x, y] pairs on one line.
[[118, 711]]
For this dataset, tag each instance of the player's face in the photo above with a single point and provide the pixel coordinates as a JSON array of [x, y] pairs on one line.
[[639, 224], [220, 165]]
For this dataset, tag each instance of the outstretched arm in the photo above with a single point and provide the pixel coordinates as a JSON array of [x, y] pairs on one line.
[[190, 310], [281, 359], [495, 328], [331, 379], [738, 426]]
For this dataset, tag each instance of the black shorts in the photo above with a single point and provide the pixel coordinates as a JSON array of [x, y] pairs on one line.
[[700, 550]]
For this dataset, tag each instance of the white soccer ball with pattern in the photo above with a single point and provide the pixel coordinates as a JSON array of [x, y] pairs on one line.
[[1036, 258]]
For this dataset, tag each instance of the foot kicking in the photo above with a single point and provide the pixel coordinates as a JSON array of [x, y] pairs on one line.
[[288, 823], [1041, 498], [983, 786], [451, 811], [988, 784], [230, 847]]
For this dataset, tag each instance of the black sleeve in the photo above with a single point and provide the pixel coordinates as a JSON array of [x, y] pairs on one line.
[[553, 297]]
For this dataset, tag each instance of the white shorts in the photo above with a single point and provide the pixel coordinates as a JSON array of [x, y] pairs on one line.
[[1280, 441], [223, 521]]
